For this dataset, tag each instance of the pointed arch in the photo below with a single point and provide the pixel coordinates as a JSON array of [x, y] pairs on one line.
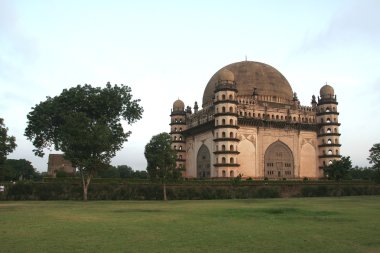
[[203, 162], [278, 161]]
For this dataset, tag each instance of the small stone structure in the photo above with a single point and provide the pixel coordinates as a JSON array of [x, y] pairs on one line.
[[58, 163]]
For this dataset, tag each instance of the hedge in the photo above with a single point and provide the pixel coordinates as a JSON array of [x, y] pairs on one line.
[[152, 191]]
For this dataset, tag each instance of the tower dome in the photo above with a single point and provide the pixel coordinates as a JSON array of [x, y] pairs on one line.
[[250, 75], [326, 91], [225, 75], [178, 105]]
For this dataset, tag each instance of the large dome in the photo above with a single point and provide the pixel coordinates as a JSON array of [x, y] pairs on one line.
[[249, 75]]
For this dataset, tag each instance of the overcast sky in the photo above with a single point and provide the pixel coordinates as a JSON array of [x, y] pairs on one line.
[[166, 50]]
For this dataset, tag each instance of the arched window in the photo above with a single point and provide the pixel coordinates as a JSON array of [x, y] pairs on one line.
[[259, 115], [272, 116], [327, 109], [223, 173], [231, 135], [249, 114], [277, 117], [328, 130], [231, 109], [224, 97], [231, 160], [245, 114], [294, 119], [336, 141], [175, 129], [328, 120], [180, 129], [176, 120], [231, 173], [324, 163], [223, 134], [231, 121], [330, 152], [329, 141], [330, 162], [282, 117], [337, 152], [175, 138], [223, 147], [175, 147], [223, 121], [335, 130], [232, 147], [230, 97], [223, 109], [223, 160]]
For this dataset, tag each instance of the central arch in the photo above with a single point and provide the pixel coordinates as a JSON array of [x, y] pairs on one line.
[[203, 162], [278, 161]]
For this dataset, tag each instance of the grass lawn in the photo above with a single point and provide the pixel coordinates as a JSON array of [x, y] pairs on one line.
[[346, 224]]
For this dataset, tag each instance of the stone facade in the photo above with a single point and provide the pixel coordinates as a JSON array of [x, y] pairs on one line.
[[58, 163], [252, 124]]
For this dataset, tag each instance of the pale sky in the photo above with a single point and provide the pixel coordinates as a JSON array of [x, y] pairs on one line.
[[166, 50]]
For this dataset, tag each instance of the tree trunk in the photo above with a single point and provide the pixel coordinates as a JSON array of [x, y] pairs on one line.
[[85, 184], [165, 198], [85, 188]]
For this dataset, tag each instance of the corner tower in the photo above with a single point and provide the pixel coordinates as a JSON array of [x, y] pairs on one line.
[[327, 119], [226, 125], [177, 126]]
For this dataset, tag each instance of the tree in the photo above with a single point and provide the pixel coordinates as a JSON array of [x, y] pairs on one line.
[[7, 145], [374, 158], [85, 123], [161, 160], [19, 169], [339, 169]]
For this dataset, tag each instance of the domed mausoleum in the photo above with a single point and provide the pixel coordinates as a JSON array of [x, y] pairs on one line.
[[252, 124]]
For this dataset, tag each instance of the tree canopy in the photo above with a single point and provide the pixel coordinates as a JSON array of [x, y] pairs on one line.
[[19, 169], [85, 123], [161, 160], [7, 145], [339, 169], [374, 159]]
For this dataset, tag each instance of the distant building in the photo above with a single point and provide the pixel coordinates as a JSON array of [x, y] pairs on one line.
[[251, 123], [58, 163]]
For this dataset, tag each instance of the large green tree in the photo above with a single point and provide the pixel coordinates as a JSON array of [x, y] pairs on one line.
[[374, 159], [85, 123], [339, 169], [7, 145], [19, 169], [161, 160]]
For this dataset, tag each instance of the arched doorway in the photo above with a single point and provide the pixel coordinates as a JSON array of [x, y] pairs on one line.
[[278, 161], [203, 162]]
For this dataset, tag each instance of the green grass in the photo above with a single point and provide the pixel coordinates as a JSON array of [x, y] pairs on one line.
[[347, 224]]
